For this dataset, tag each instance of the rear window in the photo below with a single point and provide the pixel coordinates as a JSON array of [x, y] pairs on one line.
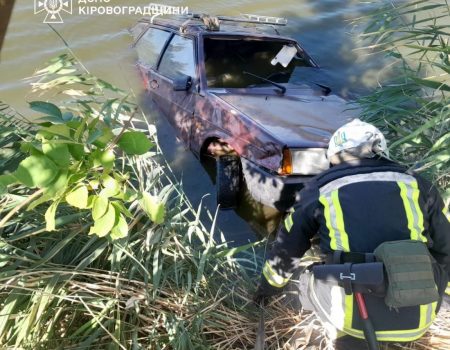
[[150, 45], [228, 60]]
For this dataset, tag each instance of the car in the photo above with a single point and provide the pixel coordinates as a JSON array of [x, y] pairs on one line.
[[236, 90]]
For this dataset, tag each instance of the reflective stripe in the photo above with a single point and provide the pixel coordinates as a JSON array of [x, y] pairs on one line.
[[446, 213], [384, 176], [288, 222], [274, 279], [394, 335], [427, 316], [334, 219], [410, 196], [348, 320]]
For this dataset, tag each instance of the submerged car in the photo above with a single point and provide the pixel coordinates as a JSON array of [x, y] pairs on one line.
[[240, 92]]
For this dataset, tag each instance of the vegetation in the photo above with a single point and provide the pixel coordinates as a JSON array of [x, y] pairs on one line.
[[105, 251], [413, 105], [158, 281]]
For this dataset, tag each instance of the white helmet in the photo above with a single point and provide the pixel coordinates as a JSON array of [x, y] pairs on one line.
[[358, 137]]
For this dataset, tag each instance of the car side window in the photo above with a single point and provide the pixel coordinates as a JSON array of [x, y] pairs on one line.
[[178, 58], [150, 45]]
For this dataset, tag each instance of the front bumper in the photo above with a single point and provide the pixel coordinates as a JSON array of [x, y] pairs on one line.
[[280, 192]]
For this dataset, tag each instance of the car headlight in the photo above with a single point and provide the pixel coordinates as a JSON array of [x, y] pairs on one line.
[[308, 161]]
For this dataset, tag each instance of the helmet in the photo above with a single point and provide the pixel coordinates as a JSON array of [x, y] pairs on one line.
[[360, 139]]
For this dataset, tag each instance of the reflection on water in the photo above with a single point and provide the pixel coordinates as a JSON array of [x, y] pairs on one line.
[[103, 44]]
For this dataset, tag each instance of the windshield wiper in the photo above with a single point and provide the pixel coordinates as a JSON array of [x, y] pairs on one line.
[[281, 87]]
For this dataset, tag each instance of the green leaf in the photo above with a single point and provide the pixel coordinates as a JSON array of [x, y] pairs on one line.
[[41, 200], [111, 186], [36, 171], [77, 151], [51, 119], [104, 225], [78, 197], [59, 130], [153, 208], [104, 158], [50, 216], [59, 184], [46, 108], [120, 230], [122, 209], [5, 181], [99, 207], [106, 136], [134, 143], [58, 152]]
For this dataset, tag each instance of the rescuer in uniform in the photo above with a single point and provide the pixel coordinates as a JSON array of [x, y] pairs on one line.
[[363, 200]]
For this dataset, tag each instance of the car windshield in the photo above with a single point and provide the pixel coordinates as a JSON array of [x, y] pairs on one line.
[[227, 62]]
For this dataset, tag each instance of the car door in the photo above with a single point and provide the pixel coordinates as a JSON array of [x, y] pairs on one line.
[[178, 62], [150, 42]]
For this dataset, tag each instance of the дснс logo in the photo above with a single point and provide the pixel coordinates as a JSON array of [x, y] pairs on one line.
[[53, 9]]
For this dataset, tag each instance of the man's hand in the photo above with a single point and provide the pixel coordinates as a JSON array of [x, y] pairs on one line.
[[260, 298]]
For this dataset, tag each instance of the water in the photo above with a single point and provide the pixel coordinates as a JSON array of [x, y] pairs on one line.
[[323, 27]]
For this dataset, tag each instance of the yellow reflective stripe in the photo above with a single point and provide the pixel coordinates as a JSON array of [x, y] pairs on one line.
[[423, 315], [348, 320], [427, 316], [446, 213], [274, 279], [415, 198], [288, 222], [409, 335], [334, 219], [340, 221], [409, 192], [326, 213]]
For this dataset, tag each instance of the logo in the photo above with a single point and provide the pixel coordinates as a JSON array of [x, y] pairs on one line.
[[53, 9]]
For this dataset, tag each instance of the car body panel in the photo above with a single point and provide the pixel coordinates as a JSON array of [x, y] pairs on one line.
[[257, 122]]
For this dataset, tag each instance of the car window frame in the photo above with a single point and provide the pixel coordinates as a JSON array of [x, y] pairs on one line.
[[141, 35], [234, 36], [195, 56]]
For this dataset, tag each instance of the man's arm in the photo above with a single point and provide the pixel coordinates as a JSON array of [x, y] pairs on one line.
[[293, 240]]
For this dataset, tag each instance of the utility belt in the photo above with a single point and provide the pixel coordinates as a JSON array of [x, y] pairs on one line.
[[400, 271]]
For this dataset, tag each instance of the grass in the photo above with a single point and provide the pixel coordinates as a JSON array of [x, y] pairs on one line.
[[413, 108], [171, 285]]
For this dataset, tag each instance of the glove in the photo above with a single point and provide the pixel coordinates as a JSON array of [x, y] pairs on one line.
[[260, 298]]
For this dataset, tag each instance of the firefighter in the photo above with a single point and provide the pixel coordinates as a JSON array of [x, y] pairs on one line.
[[363, 200]]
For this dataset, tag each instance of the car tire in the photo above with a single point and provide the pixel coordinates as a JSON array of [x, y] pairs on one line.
[[228, 181]]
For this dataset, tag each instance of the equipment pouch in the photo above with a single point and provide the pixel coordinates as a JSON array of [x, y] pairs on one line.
[[409, 270]]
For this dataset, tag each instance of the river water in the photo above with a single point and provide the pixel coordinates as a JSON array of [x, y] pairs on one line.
[[323, 27]]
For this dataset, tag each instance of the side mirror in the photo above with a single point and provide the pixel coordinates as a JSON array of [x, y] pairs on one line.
[[182, 83]]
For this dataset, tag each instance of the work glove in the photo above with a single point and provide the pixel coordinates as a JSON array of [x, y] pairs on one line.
[[264, 292], [260, 298]]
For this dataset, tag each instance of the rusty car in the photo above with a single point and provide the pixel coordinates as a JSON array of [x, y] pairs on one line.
[[233, 90]]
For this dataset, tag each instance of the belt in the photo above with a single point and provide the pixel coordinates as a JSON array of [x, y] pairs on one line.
[[340, 257]]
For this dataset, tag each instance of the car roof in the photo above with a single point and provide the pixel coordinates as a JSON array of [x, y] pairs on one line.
[[194, 26]]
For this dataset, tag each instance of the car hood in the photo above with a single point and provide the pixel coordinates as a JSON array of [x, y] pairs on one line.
[[300, 118]]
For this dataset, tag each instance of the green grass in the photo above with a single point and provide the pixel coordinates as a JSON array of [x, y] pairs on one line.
[[413, 108]]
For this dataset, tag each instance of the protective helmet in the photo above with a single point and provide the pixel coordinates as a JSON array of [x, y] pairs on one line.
[[360, 139]]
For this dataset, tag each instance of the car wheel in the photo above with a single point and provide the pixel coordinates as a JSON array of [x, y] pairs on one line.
[[228, 181]]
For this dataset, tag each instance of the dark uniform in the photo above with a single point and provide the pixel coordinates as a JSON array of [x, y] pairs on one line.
[[354, 207]]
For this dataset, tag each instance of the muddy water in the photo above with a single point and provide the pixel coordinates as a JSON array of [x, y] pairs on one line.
[[323, 27]]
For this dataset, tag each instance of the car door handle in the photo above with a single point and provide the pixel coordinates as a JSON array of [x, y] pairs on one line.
[[154, 84]]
